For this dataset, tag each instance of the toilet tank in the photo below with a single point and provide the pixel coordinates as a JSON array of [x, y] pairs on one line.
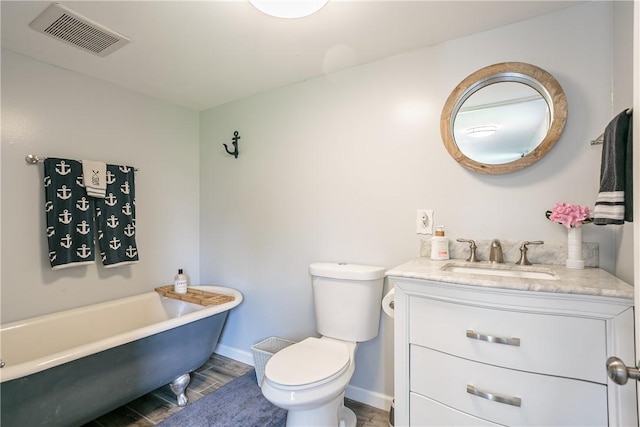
[[347, 300]]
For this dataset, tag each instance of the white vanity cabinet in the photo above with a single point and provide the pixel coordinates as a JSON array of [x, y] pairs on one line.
[[475, 354]]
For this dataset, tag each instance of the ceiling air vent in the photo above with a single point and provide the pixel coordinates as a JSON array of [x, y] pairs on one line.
[[72, 28]]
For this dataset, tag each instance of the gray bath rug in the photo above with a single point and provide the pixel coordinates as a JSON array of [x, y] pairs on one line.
[[239, 403]]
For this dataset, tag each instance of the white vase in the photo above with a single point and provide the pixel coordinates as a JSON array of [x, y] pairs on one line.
[[574, 246]]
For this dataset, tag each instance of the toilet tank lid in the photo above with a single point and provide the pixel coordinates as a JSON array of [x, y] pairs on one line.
[[341, 270]]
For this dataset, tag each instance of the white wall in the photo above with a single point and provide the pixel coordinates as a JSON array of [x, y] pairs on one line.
[[48, 111], [333, 169], [623, 98]]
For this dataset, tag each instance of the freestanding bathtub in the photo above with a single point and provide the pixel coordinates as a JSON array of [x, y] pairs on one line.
[[68, 368]]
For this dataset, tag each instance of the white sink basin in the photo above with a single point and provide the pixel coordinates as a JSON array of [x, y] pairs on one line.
[[502, 270]]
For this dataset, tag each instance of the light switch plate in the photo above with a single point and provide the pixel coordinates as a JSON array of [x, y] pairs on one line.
[[424, 221]]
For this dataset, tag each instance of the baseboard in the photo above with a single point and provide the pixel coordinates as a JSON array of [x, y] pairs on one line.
[[371, 398], [235, 354]]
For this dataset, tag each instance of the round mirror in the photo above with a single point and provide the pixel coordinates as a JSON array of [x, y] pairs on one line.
[[503, 117]]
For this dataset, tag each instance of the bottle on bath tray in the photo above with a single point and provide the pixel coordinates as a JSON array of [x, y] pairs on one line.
[[439, 245], [180, 283]]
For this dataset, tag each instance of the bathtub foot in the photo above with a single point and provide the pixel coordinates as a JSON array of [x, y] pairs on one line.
[[179, 386]]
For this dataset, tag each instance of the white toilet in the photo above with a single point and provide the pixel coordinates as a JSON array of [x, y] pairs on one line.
[[309, 378]]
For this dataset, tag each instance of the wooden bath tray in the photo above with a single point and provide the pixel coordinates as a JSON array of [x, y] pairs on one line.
[[195, 296]]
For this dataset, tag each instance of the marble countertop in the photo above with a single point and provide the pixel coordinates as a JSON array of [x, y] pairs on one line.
[[589, 281]]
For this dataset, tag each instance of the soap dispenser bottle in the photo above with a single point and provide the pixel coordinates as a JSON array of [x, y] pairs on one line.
[[180, 283], [439, 245]]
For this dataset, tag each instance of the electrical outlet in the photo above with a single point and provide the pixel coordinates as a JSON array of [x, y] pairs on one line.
[[424, 221]]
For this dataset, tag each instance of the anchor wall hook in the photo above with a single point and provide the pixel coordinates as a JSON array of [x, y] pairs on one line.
[[234, 140]]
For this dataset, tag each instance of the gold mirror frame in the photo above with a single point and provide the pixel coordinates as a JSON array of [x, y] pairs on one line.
[[520, 72]]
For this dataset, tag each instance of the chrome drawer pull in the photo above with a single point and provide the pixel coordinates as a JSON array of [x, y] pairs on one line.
[[489, 338], [514, 401]]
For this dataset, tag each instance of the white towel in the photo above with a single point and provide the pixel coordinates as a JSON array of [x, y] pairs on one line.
[[95, 178]]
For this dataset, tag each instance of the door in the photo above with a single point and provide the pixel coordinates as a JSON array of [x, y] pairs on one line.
[[636, 178], [619, 373], [636, 175]]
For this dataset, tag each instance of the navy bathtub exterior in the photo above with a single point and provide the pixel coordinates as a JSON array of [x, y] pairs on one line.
[[79, 391]]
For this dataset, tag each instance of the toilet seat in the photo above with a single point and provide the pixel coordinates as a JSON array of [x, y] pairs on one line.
[[311, 361]]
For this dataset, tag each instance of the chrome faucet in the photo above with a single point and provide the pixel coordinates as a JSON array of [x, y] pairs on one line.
[[495, 254]]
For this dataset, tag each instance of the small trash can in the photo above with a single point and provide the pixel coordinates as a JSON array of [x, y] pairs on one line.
[[392, 415], [263, 351]]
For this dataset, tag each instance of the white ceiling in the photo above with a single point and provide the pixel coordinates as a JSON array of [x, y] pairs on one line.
[[201, 54]]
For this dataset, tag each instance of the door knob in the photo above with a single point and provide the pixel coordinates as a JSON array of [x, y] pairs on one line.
[[619, 372]]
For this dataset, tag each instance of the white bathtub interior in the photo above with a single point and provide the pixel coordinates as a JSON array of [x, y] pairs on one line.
[[56, 338]]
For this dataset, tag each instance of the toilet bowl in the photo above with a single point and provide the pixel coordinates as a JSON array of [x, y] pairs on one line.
[[309, 378]]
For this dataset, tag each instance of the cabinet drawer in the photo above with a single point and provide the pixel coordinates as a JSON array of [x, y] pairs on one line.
[[425, 412], [573, 347], [544, 400]]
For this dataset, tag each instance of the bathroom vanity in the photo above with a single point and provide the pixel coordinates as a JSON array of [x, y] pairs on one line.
[[482, 344]]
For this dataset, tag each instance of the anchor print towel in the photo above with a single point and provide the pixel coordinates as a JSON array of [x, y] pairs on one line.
[[69, 214], [116, 218]]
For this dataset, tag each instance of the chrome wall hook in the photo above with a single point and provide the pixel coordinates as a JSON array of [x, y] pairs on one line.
[[234, 140]]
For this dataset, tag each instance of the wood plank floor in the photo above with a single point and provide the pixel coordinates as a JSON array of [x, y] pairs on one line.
[[152, 408]]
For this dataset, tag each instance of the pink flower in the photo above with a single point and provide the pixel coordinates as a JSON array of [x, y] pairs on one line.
[[569, 215]]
